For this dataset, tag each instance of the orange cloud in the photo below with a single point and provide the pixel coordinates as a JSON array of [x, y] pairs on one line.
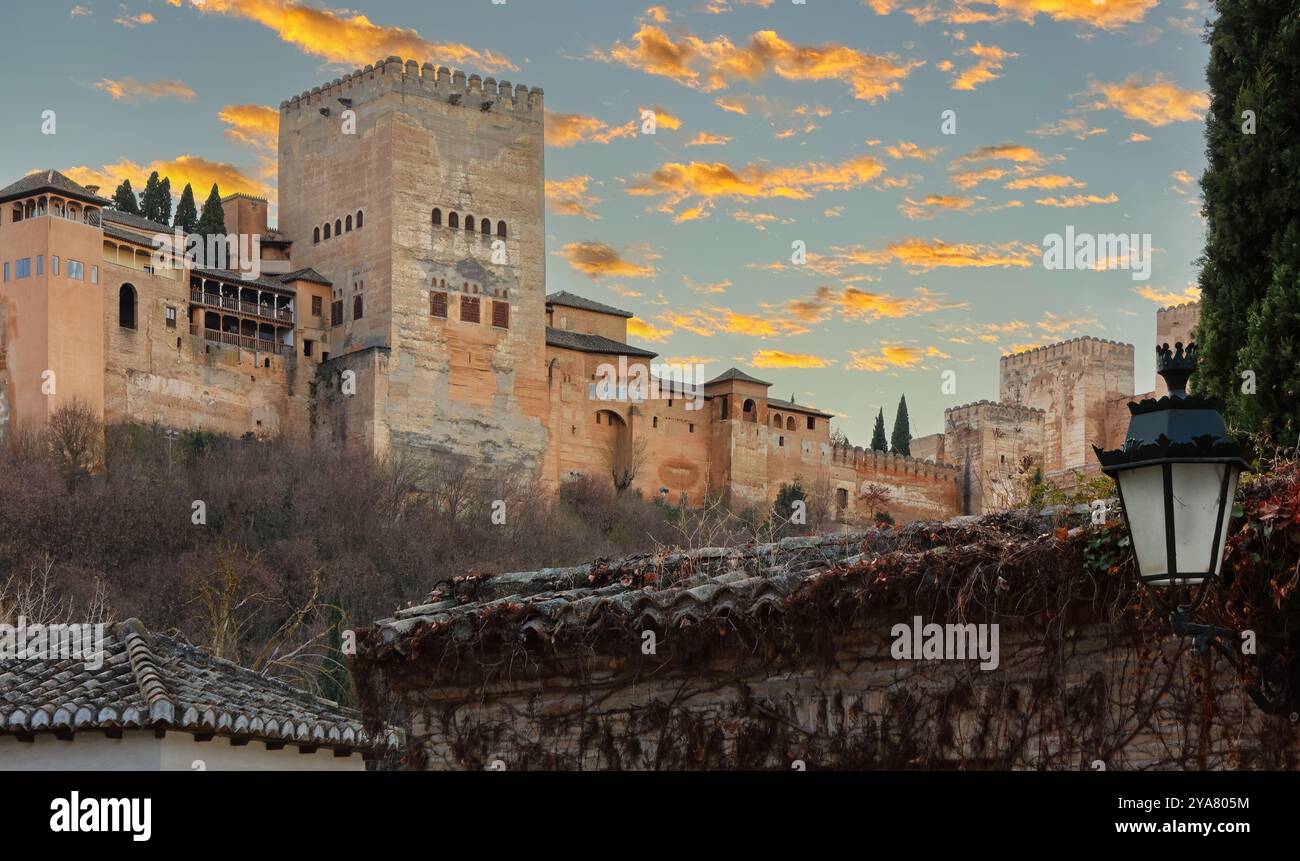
[[130, 90], [1077, 200], [598, 260], [907, 149], [130, 22], [1106, 15], [782, 359], [921, 255], [853, 304], [198, 172], [1164, 297], [345, 36], [1017, 153], [569, 197], [708, 139], [253, 125], [1157, 103], [640, 329], [892, 356], [932, 204], [1138, 137], [712, 320], [1054, 325], [1047, 180], [988, 65], [733, 106], [716, 64], [566, 130], [971, 178], [1076, 127], [676, 182]]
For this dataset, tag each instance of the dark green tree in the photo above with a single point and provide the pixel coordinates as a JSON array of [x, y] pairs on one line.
[[150, 203], [334, 681], [784, 507], [900, 441], [124, 199], [878, 441], [187, 214], [165, 201], [212, 220], [1251, 188]]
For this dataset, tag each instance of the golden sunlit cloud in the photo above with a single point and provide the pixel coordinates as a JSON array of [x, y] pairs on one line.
[[1017, 153], [712, 320], [676, 182], [1055, 325], [988, 66], [80, 12], [1138, 137], [344, 36], [907, 149], [833, 212], [569, 197], [1164, 297], [759, 220], [930, 205], [707, 289], [566, 130], [782, 359], [733, 106], [130, 90], [892, 356], [716, 64], [598, 260], [970, 178], [130, 22], [708, 139], [198, 172], [1047, 180], [1099, 14], [1076, 127], [1077, 200], [641, 330], [1157, 103], [921, 255], [857, 305], [718, 7], [253, 125]]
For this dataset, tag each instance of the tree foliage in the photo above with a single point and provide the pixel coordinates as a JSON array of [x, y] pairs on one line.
[[900, 441], [878, 441]]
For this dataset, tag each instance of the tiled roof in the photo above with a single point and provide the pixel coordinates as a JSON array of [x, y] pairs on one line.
[[139, 222], [307, 274], [571, 301], [148, 680], [239, 278], [798, 408], [49, 180], [736, 374], [125, 235], [585, 343]]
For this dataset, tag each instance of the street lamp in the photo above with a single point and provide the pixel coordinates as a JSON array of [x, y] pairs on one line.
[[1177, 476]]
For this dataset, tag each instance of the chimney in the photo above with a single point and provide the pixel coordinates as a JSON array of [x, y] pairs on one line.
[[93, 189]]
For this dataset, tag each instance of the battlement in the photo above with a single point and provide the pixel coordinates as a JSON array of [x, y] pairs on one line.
[[455, 86], [1082, 346], [992, 410], [1182, 307], [887, 462]]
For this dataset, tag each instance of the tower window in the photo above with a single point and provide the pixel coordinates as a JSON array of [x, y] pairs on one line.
[[338, 227], [453, 220], [485, 227], [315, 236], [336, 312], [469, 223], [437, 217], [316, 304], [171, 317], [356, 307], [361, 217], [501, 229], [501, 314], [327, 231], [347, 225], [437, 304], [469, 309]]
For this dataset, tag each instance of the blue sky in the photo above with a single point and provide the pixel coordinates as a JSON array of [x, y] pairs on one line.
[[777, 122]]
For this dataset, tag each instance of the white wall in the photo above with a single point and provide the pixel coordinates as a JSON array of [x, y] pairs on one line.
[[140, 750]]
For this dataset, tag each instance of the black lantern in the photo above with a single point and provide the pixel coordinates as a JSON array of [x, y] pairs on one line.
[[1177, 475]]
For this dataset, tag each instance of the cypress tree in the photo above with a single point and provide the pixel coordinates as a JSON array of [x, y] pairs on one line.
[[1251, 190], [187, 214], [900, 441], [878, 442], [165, 201], [212, 220], [124, 199], [149, 204]]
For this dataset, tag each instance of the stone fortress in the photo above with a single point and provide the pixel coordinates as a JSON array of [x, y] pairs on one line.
[[400, 306]]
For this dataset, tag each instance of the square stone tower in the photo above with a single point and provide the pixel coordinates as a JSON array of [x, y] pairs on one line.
[[419, 193]]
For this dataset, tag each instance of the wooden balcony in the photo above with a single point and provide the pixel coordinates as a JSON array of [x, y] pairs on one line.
[[230, 303], [261, 345]]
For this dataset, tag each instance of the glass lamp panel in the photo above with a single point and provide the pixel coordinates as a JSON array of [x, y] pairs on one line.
[[1227, 513], [1144, 503], [1196, 512]]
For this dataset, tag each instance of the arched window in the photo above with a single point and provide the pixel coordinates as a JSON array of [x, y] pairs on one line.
[[361, 217], [469, 223], [315, 236], [126, 307], [338, 227], [485, 227], [789, 422], [327, 231], [347, 225], [750, 409], [453, 220], [501, 229], [776, 420], [437, 217]]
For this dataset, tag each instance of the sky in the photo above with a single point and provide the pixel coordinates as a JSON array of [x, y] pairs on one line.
[[848, 199]]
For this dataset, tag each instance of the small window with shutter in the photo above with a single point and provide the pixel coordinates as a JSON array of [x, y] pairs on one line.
[[469, 310], [437, 304], [336, 312], [316, 305], [501, 314]]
